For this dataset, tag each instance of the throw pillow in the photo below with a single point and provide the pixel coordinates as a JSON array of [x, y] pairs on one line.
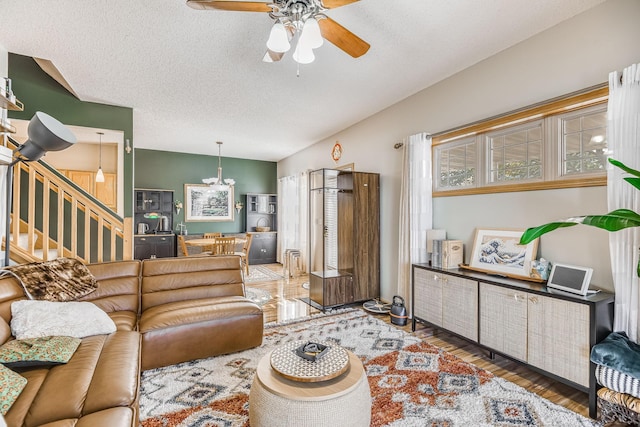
[[38, 351], [11, 385], [62, 279], [33, 319]]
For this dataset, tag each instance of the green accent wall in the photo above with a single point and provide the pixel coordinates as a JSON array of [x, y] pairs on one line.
[[39, 92], [165, 170]]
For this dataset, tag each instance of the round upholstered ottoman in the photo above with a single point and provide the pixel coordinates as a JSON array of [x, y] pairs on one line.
[[277, 401]]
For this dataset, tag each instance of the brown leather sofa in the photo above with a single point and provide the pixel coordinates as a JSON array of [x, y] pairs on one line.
[[166, 311]]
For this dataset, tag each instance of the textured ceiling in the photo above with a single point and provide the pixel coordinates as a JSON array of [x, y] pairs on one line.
[[194, 77]]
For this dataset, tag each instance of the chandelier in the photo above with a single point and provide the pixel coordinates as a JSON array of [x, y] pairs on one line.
[[217, 183], [296, 18]]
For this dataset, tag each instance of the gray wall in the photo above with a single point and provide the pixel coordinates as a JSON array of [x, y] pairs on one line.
[[573, 55]]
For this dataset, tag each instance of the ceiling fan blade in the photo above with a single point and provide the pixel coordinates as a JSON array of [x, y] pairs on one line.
[[343, 38], [238, 6], [271, 56], [332, 4]]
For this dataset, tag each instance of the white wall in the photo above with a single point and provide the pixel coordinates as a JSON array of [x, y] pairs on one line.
[[575, 54]]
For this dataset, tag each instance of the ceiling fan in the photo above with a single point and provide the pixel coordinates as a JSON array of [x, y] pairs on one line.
[[304, 18]]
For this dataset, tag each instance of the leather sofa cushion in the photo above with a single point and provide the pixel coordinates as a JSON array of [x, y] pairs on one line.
[[187, 330], [118, 286], [167, 280], [102, 374], [182, 313], [124, 320]]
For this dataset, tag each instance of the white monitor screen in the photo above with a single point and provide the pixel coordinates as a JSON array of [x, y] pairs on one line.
[[570, 278]]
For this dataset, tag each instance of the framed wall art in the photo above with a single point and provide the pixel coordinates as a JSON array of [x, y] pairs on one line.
[[498, 251], [207, 203]]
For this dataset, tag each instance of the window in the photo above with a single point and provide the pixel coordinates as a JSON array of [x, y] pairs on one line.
[[456, 165], [557, 144], [515, 154], [583, 142]]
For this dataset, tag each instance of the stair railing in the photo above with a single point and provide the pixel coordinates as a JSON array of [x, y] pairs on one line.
[[60, 217]]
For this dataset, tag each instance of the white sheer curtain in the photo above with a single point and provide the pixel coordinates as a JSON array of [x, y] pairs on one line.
[[416, 211], [293, 215], [623, 135]]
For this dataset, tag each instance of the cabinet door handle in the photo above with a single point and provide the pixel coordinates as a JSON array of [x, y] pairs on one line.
[[436, 277], [517, 297], [534, 300]]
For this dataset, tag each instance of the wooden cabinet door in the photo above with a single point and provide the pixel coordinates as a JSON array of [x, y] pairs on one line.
[[427, 296], [366, 235], [460, 306], [106, 191], [558, 332], [84, 180], [338, 290], [503, 320]]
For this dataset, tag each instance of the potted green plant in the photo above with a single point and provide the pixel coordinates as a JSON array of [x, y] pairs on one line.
[[613, 221]]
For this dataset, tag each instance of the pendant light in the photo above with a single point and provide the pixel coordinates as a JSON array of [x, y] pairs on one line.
[[99, 174], [217, 183]]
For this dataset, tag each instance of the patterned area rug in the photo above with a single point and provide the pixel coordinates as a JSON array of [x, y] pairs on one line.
[[412, 383], [259, 273]]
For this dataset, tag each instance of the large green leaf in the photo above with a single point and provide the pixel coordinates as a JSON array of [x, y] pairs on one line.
[[613, 221], [634, 181], [624, 167], [533, 233]]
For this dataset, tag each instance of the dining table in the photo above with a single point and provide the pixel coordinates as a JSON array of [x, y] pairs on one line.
[[205, 244], [209, 242]]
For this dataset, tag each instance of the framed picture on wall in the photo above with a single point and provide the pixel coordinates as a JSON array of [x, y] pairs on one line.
[[498, 251], [204, 203]]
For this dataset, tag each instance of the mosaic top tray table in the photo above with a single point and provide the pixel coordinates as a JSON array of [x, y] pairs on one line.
[[287, 363]]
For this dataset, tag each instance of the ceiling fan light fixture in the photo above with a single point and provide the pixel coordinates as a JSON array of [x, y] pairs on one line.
[[278, 39], [311, 35], [303, 53]]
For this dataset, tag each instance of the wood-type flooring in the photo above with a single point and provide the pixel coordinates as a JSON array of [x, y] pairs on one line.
[[285, 305]]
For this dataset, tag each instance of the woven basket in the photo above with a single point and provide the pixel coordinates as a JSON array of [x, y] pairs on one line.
[[261, 225]]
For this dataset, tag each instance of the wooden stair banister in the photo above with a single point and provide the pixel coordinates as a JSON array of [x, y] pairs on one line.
[[78, 217]]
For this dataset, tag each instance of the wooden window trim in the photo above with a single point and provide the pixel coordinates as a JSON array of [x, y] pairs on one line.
[[592, 96]]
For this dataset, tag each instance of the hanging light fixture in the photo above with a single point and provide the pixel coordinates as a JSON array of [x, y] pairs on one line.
[[278, 38], [99, 174], [217, 183], [296, 18]]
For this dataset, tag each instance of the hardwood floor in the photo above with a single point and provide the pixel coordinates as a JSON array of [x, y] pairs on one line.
[[285, 305]]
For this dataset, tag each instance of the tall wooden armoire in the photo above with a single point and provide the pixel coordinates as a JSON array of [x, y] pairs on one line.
[[344, 237]]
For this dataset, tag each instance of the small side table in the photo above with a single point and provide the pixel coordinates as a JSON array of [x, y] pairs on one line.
[[277, 401]]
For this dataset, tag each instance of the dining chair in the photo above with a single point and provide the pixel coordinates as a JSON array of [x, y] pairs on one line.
[[224, 246], [183, 246], [244, 254], [210, 235]]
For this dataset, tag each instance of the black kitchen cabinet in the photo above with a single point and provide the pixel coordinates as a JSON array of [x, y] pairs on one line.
[[153, 222], [263, 248], [155, 246]]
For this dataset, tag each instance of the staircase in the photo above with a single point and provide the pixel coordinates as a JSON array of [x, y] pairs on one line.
[[52, 217]]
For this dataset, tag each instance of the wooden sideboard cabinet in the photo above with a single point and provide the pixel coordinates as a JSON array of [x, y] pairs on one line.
[[433, 292], [550, 331]]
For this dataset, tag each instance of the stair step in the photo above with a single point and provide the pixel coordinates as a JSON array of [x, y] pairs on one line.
[[53, 254]]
